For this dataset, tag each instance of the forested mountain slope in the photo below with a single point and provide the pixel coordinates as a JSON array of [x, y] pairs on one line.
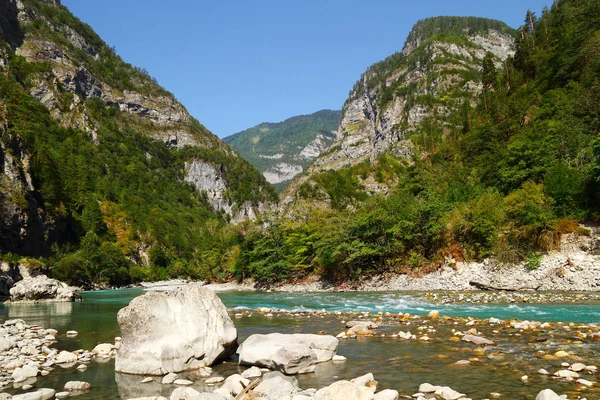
[[496, 156], [283, 150], [102, 171]]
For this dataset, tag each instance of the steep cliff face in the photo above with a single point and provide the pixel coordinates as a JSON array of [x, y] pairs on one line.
[[285, 149], [434, 73], [438, 70]]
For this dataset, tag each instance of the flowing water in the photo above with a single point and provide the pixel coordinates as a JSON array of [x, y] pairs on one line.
[[396, 364]]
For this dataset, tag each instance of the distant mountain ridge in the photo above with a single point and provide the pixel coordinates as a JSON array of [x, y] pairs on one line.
[[285, 149]]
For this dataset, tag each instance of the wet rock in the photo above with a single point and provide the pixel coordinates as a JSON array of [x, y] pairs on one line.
[[215, 380], [66, 357], [77, 386], [585, 382], [564, 373], [577, 367], [181, 330], [477, 340], [290, 354]]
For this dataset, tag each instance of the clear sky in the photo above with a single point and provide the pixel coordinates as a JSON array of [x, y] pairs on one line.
[[237, 63]]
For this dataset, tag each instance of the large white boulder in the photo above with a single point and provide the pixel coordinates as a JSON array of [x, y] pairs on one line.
[[291, 354], [42, 288], [181, 330]]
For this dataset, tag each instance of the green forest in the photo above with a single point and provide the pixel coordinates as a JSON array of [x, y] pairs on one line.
[[520, 170], [516, 171], [107, 201]]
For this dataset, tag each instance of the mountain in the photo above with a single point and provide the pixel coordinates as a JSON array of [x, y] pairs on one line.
[[476, 143], [285, 149], [437, 72], [102, 171]]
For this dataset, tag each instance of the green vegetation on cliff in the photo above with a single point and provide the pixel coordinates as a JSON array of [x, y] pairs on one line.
[[505, 178], [100, 200]]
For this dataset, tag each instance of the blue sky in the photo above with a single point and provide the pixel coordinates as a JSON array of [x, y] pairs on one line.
[[237, 63]]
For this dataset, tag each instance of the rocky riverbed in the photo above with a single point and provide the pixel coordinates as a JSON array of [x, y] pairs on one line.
[[524, 355]]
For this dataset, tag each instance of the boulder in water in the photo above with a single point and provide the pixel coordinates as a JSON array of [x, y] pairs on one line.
[[291, 354], [185, 329], [42, 288]]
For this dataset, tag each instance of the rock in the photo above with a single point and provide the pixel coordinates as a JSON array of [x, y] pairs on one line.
[[183, 382], [462, 362], [365, 380], [338, 358], [561, 354], [434, 314], [5, 344], [585, 382], [427, 388], [72, 333], [361, 329], [287, 353], [66, 357], [344, 390], [477, 340], [184, 393], [147, 380], [215, 380], [547, 394], [41, 394], [564, 373], [577, 367], [387, 394], [181, 330], [77, 386], [41, 288], [542, 371], [251, 373], [62, 395], [104, 349], [235, 384], [82, 367], [169, 378], [22, 374], [366, 324], [276, 388], [448, 393]]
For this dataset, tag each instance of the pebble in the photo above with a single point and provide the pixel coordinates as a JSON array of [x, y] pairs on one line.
[[147, 380]]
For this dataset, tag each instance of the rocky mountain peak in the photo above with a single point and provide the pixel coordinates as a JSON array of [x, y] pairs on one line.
[[438, 69]]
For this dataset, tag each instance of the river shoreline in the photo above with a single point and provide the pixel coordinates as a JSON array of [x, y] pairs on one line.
[[575, 267]]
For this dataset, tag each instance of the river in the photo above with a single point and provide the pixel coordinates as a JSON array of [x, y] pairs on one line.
[[396, 364]]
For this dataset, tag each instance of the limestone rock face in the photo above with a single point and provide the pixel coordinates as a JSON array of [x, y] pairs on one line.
[[393, 98], [41, 288], [176, 331], [290, 354], [208, 179]]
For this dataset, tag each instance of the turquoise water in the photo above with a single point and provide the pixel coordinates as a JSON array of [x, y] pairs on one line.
[[396, 364], [406, 302]]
